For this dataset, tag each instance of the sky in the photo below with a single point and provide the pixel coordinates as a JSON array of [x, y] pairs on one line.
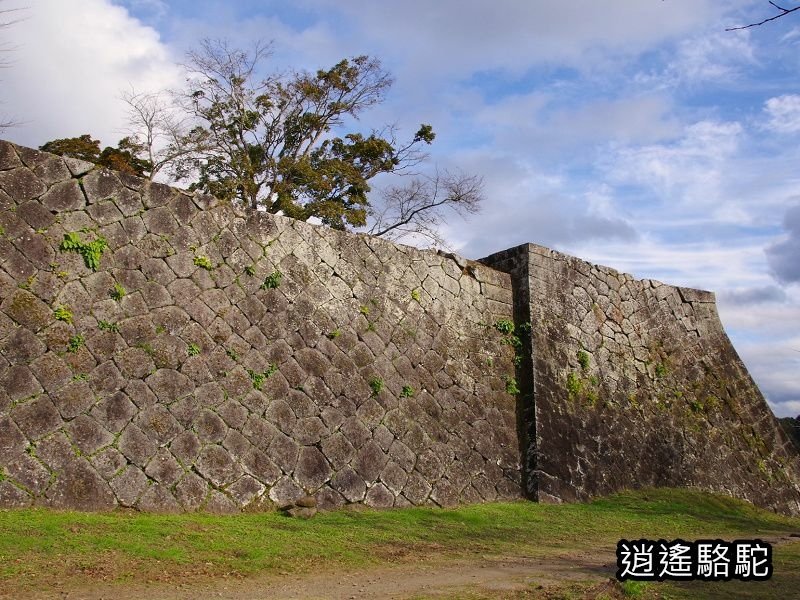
[[637, 134]]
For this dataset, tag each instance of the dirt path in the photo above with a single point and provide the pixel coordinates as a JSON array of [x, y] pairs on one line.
[[422, 579], [403, 581]]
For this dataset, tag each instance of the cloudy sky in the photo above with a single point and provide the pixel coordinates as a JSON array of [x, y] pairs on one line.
[[634, 133]]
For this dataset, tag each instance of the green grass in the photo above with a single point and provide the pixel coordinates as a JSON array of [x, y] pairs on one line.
[[39, 546]]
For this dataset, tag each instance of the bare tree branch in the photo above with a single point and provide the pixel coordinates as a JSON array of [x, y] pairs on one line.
[[416, 209], [783, 13], [156, 130]]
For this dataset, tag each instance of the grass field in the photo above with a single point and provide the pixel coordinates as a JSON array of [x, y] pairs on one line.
[[42, 549]]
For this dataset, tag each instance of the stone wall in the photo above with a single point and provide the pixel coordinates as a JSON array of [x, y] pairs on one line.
[[636, 384], [212, 359], [164, 351]]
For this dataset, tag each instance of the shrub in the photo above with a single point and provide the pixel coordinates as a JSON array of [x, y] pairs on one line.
[[107, 326], [583, 359]]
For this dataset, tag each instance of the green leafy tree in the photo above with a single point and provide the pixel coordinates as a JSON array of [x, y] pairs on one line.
[[269, 143], [125, 157], [276, 143]]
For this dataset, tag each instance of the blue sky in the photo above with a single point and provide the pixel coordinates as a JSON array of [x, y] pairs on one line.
[[634, 133]]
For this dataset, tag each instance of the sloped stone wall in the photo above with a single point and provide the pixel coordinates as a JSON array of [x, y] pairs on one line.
[[166, 352], [636, 384], [217, 360]]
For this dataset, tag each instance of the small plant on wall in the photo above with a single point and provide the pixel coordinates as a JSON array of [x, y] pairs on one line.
[[75, 342], [118, 292], [62, 313], [272, 281], [376, 384], [203, 262], [90, 251]]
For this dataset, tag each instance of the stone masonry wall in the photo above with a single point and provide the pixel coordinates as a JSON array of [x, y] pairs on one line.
[[636, 384], [219, 360]]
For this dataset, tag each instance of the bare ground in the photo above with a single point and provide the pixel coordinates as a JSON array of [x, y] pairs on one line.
[[447, 578], [542, 576]]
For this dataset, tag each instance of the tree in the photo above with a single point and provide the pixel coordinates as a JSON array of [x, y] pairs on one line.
[[414, 209], [269, 143], [792, 428], [783, 12], [122, 158], [158, 132], [276, 144]]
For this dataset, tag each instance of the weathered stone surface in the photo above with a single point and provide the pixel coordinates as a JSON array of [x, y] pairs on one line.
[[129, 485], [27, 310], [369, 461], [136, 445], [8, 157], [191, 491], [246, 490], [88, 435], [158, 498], [12, 496], [349, 484], [79, 487], [158, 424], [210, 427], [37, 417], [108, 463], [164, 468], [114, 412], [312, 469], [29, 473], [338, 450], [64, 196], [379, 496], [21, 184], [12, 440], [19, 383], [101, 184], [219, 503], [285, 493], [217, 465]]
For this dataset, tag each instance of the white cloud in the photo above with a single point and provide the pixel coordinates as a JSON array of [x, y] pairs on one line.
[[71, 63], [452, 37], [526, 124], [716, 56], [783, 113], [784, 256], [693, 170]]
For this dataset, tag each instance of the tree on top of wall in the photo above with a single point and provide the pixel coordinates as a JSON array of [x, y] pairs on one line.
[[122, 158], [277, 143]]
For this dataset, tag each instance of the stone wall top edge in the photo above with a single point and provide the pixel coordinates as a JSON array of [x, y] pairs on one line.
[[687, 294], [78, 168]]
